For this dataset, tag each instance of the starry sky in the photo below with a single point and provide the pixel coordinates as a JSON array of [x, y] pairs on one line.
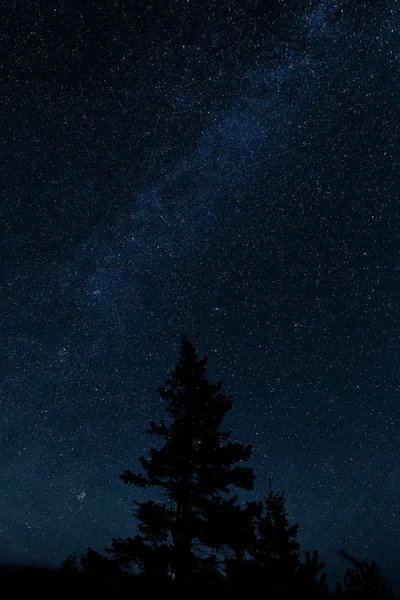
[[227, 169]]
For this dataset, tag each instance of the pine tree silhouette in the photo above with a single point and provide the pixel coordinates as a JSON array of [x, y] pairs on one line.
[[271, 557], [276, 551], [194, 470]]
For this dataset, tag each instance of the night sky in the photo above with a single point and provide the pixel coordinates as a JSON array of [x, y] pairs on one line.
[[230, 170]]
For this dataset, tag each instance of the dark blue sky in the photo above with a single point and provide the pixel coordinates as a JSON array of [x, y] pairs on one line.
[[225, 169]]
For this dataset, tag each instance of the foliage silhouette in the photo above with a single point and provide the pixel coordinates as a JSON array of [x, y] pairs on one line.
[[70, 564], [311, 580], [194, 470], [199, 539], [363, 581], [272, 557]]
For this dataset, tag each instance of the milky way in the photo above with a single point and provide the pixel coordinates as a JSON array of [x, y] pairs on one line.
[[229, 172]]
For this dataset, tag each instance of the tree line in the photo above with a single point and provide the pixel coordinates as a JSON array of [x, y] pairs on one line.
[[200, 539]]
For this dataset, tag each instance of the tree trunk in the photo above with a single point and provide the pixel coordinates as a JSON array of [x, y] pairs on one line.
[[183, 539]]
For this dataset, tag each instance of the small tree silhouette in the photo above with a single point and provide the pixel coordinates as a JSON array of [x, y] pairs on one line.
[[271, 558], [70, 564], [308, 573], [276, 551], [363, 580]]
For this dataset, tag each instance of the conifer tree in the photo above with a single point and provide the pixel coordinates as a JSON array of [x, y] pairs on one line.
[[194, 470], [272, 555]]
